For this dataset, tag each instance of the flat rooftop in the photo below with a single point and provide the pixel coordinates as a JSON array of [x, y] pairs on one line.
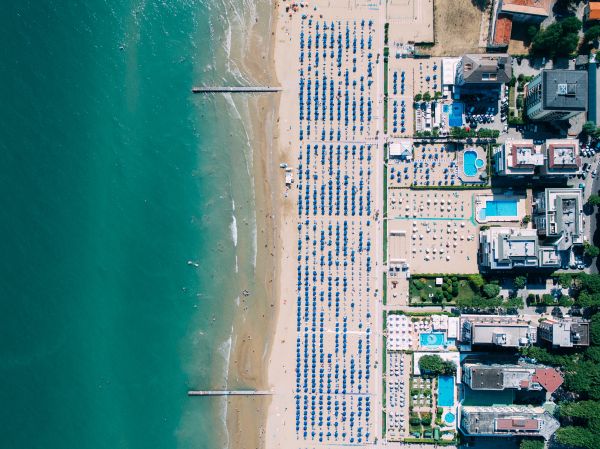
[[565, 90], [524, 154], [563, 153], [507, 420], [496, 330], [507, 376]]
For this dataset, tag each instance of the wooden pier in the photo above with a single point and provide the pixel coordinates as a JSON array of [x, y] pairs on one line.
[[228, 393], [238, 89]]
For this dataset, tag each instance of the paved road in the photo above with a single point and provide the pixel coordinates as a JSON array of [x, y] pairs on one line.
[[592, 226]]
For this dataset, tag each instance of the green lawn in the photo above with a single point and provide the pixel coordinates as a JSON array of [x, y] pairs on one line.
[[384, 289], [385, 242], [421, 290]]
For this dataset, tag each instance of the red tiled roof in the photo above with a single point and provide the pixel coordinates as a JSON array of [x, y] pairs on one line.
[[503, 30], [548, 378], [594, 13], [517, 424]]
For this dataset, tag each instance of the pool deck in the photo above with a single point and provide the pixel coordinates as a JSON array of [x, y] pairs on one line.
[[480, 201], [475, 179]]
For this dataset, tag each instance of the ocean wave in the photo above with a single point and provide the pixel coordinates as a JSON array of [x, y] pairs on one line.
[[225, 351], [234, 230]]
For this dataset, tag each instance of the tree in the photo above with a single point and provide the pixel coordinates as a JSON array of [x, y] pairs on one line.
[[594, 200], [578, 437], [434, 365], [476, 281], [565, 301], [591, 250], [545, 40], [595, 329], [586, 299], [532, 444], [590, 282], [584, 379], [543, 356], [565, 280], [491, 290], [592, 34], [567, 44], [418, 97], [532, 31], [570, 25], [589, 128], [582, 409], [548, 299], [558, 39], [514, 303], [426, 96], [520, 282], [593, 353]]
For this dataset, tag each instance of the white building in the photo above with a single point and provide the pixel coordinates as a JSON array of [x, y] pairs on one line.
[[507, 248]]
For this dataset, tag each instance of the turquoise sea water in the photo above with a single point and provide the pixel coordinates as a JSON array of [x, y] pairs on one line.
[[112, 177]]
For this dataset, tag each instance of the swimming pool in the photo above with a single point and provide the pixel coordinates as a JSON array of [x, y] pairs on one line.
[[445, 391], [456, 113], [449, 417], [432, 339], [471, 163], [501, 208]]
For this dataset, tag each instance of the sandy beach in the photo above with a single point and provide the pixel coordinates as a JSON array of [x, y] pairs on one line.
[[314, 406], [251, 342]]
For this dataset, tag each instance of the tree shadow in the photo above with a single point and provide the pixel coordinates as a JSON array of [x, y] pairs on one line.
[[481, 4], [564, 8], [596, 239], [561, 63]]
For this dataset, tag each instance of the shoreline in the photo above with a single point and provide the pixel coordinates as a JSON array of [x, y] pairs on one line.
[[253, 328], [283, 354]]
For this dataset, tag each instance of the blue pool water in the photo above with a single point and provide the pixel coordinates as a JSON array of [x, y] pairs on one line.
[[449, 417], [455, 117], [446, 391], [471, 163], [432, 339], [501, 208]]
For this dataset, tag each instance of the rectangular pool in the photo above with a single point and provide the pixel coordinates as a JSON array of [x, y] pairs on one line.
[[501, 208], [456, 113], [445, 391]]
